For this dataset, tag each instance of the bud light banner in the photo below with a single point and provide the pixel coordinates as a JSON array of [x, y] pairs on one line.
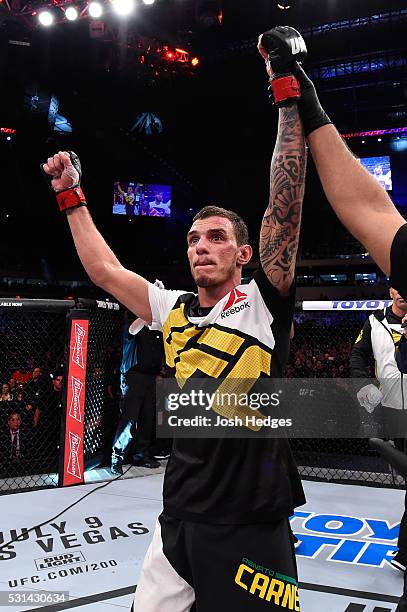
[[75, 403]]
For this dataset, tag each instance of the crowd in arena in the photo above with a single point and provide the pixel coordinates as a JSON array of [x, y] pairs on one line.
[[321, 348], [320, 362], [30, 414], [31, 395]]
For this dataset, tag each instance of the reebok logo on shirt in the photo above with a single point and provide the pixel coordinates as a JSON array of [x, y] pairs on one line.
[[235, 297], [234, 310]]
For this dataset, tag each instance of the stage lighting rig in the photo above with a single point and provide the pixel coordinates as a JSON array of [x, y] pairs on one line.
[[71, 13], [123, 7], [152, 59], [46, 18], [48, 12], [7, 134], [159, 59], [95, 10]]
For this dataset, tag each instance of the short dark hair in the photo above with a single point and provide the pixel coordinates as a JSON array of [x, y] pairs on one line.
[[239, 226]]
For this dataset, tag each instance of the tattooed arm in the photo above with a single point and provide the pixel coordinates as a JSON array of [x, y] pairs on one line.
[[280, 229]]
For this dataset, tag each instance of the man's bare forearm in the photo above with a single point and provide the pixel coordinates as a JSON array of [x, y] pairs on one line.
[[356, 197], [96, 256], [280, 228], [103, 267], [99, 261]]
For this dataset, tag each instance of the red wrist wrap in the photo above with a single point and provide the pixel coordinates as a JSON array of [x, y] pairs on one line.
[[285, 88], [70, 198]]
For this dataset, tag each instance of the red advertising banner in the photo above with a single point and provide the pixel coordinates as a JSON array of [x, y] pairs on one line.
[[75, 403]]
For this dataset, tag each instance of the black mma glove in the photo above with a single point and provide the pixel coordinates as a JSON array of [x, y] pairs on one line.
[[284, 45], [286, 50], [311, 112]]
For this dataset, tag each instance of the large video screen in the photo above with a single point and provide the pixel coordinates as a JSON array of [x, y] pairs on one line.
[[141, 199], [379, 167]]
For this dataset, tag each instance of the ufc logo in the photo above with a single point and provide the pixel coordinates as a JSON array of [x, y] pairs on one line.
[[298, 45], [309, 392]]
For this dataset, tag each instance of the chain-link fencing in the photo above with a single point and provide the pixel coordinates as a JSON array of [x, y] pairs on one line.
[[32, 347], [33, 372], [320, 349], [102, 379]]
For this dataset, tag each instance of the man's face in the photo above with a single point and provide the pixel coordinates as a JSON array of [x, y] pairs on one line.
[[398, 300], [378, 170], [5, 389], [159, 197], [212, 251], [58, 383], [36, 373], [129, 190], [14, 421]]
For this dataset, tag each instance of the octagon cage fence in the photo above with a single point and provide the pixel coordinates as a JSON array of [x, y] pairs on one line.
[[66, 413], [42, 397]]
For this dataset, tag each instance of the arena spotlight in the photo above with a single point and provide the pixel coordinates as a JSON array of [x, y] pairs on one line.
[[95, 10], [148, 1], [284, 5], [46, 18], [123, 7], [71, 13], [195, 61]]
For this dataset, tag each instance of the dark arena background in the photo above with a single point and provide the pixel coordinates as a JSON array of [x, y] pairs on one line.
[[169, 103]]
